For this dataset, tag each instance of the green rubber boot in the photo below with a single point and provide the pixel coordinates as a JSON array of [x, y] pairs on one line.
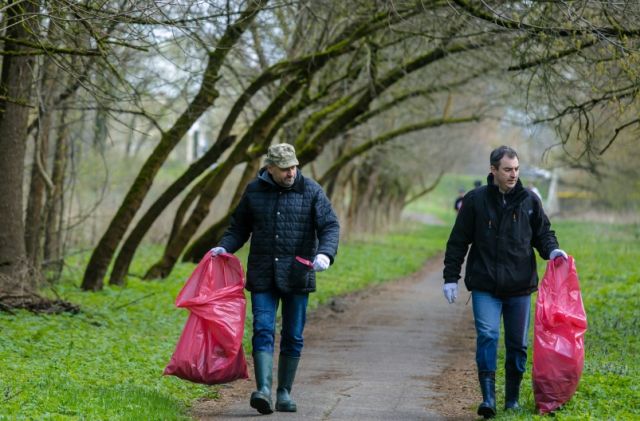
[[287, 367], [512, 390], [488, 386], [263, 366]]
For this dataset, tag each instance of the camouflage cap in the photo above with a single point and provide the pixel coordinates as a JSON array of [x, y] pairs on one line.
[[281, 155]]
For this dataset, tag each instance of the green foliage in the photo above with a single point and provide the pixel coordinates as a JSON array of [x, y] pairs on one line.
[[606, 259], [106, 363]]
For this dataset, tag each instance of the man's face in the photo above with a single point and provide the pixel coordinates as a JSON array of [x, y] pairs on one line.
[[506, 175], [283, 176]]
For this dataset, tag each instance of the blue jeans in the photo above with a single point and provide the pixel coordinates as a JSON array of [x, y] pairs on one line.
[[294, 315], [487, 309]]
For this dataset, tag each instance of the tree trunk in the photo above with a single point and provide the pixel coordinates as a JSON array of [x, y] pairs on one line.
[[206, 96], [15, 94], [37, 193], [212, 236], [55, 201], [41, 184], [128, 249], [257, 137]]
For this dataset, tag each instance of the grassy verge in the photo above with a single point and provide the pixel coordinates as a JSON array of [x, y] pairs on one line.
[[106, 363]]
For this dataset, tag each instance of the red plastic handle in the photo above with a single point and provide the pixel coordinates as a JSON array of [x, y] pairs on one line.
[[304, 261]]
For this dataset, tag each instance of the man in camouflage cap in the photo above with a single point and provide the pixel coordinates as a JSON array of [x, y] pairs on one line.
[[294, 233]]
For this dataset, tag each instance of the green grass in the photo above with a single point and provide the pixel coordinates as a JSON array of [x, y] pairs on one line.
[[106, 363]]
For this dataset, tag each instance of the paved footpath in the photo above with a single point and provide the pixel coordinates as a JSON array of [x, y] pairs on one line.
[[377, 356]]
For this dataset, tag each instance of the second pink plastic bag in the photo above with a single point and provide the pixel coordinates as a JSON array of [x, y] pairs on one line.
[[210, 350], [558, 347]]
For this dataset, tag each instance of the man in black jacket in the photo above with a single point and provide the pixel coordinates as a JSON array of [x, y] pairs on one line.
[[294, 233], [502, 222]]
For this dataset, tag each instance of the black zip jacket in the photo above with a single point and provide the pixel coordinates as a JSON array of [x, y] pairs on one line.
[[502, 230], [283, 223]]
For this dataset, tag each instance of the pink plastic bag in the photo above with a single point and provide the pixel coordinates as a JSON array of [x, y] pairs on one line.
[[558, 347], [210, 350]]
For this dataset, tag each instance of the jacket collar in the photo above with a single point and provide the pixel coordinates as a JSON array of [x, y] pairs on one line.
[[516, 192], [265, 177]]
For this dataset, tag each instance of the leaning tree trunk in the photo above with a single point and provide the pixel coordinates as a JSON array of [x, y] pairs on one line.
[[257, 137], [15, 94], [206, 96], [163, 267], [212, 236], [128, 249]]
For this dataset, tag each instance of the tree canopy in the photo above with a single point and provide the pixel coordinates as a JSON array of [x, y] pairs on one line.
[[373, 96]]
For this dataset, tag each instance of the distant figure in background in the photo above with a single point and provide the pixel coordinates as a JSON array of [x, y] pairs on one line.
[[458, 203], [535, 191]]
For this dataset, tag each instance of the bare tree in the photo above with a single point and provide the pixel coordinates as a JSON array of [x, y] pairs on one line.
[[207, 94], [15, 96]]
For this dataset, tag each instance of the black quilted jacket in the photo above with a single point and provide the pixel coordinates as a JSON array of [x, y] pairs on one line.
[[502, 230], [283, 223]]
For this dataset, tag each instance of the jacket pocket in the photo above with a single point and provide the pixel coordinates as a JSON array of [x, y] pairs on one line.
[[299, 274]]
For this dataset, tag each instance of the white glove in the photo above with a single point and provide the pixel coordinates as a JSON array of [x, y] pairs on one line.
[[321, 262], [450, 290], [558, 253], [217, 250]]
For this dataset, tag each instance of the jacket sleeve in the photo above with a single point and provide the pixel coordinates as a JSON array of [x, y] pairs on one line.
[[240, 226], [326, 225], [460, 238], [543, 237]]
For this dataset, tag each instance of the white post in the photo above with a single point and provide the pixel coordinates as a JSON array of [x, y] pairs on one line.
[[552, 205]]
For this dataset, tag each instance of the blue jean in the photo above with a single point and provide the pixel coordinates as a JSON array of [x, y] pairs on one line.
[[487, 309], [294, 315]]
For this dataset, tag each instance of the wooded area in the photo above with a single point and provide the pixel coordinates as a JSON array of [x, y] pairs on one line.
[[371, 93]]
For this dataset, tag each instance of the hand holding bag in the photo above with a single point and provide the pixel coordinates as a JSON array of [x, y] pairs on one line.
[[559, 328], [210, 350]]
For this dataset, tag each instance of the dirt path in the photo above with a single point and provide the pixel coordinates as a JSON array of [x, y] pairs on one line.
[[394, 352]]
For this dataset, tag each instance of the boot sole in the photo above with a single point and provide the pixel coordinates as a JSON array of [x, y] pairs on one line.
[[486, 412], [287, 408], [261, 404]]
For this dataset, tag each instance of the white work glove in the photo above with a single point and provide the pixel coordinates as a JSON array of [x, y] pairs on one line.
[[558, 253], [450, 290], [217, 250], [321, 262]]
